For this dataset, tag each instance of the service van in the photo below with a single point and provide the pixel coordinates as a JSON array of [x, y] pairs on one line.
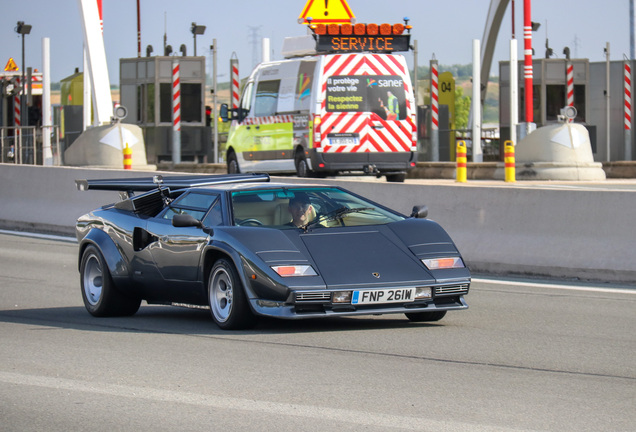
[[346, 111]]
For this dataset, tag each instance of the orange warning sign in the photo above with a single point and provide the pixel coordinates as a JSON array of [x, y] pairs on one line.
[[326, 12], [11, 66]]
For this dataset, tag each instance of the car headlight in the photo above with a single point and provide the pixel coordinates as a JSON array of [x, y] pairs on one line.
[[294, 270], [443, 263]]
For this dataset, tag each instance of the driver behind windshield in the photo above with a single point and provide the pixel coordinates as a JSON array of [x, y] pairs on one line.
[[301, 210]]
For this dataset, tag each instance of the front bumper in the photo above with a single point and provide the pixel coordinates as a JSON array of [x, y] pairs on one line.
[[322, 307]]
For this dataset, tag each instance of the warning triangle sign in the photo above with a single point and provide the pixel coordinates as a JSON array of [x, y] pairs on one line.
[[326, 12], [11, 66]]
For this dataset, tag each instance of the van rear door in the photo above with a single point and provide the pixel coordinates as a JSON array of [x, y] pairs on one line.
[[367, 109]]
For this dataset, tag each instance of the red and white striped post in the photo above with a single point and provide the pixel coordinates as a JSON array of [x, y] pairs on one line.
[[527, 67], [176, 113], [569, 78], [234, 73], [434, 111], [16, 106], [628, 110]]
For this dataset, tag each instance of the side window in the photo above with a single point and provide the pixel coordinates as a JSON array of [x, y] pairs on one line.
[[193, 203], [246, 100], [266, 101], [214, 216]]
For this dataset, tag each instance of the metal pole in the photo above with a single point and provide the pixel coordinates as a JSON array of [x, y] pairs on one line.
[[47, 155], [476, 103], [514, 91], [138, 31], [176, 113], [527, 51], [23, 117], [628, 109], [434, 111], [214, 103], [607, 98], [415, 82]]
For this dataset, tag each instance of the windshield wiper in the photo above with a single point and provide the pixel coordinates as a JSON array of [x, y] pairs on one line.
[[337, 214]]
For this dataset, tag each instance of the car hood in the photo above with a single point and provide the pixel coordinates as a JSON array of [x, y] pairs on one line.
[[368, 257]]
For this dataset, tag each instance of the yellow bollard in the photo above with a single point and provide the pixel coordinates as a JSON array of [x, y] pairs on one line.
[[509, 161], [461, 161], [127, 157]]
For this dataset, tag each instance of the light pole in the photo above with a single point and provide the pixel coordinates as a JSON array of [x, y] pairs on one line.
[[23, 29], [196, 30]]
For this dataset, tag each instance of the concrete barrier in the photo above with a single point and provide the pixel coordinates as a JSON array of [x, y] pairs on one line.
[[499, 228]]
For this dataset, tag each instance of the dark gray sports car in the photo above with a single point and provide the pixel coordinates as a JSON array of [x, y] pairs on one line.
[[246, 247]]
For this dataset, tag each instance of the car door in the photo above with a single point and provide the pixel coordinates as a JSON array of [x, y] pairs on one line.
[[177, 252]]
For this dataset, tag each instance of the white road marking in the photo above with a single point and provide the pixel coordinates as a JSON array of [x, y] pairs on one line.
[[337, 415], [597, 289]]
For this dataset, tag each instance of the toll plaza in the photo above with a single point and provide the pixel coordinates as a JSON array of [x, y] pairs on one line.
[[146, 90]]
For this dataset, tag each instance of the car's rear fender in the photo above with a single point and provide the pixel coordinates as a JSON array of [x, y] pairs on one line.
[[115, 261]]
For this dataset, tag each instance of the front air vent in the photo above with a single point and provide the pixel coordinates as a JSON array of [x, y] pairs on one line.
[[312, 296], [451, 290]]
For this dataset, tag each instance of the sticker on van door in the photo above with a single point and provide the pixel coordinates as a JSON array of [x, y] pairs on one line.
[[383, 95]]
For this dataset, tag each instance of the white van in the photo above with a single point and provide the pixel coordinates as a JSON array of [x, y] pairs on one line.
[[324, 114]]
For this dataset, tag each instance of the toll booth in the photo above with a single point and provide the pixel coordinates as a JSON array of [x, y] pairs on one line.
[[590, 100], [145, 85]]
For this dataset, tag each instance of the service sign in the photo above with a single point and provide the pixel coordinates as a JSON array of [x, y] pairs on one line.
[[353, 43]]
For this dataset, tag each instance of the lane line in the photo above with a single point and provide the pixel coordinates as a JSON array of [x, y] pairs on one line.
[[224, 402], [39, 236], [555, 286]]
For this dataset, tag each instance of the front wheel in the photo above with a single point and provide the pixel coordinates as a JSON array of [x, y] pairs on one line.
[[101, 297], [425, 316], [228, 303]]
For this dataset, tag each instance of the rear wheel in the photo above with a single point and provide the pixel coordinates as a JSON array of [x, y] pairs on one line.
[[232, 164], [100, 296], [228, 303], [396, 178], [302, 168], [425, 316]]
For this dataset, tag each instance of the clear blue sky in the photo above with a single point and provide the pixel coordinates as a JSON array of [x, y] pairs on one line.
[[443, 27]]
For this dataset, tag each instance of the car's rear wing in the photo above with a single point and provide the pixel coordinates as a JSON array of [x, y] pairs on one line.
[[145, 184]]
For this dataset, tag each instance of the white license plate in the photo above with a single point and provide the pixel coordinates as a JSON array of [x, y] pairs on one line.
[[343, 141], [397, 295]]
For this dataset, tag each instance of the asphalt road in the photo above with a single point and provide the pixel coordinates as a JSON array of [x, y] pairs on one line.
[[525, 356]]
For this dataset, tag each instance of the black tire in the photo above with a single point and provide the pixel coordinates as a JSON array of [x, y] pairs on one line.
[[232, 164], [396, 178], [226, 296], [101, 297], [302, 168], [425, 316]]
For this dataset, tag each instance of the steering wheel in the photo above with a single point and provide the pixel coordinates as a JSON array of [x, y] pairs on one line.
[[251, 222]]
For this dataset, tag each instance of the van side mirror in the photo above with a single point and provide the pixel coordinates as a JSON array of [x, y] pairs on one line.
[[419, 212], [224, 114]]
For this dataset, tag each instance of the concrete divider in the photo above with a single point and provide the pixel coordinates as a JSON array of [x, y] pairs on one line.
[[499, 228]]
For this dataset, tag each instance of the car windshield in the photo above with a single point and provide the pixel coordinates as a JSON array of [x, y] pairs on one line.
[[307, 208]]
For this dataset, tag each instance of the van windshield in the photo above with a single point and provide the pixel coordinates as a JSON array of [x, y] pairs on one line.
[[383, 95]]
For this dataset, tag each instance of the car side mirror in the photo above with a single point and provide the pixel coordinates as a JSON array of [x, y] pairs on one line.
[[187, 220], [419, 212]]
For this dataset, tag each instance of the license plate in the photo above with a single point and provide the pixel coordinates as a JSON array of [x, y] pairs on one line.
[[397, 295], [340, 141]]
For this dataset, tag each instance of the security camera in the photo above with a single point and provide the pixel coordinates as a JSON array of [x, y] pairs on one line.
[[568, 114]]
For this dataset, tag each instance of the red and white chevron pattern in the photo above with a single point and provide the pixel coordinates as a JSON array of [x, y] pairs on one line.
[[268, 120], [376, 134]]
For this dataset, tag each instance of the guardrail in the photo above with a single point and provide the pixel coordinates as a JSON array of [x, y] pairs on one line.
[[499, 228]]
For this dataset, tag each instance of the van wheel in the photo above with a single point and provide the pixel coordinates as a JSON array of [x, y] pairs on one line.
[[302, 169], [232, 164], [396, 178]]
